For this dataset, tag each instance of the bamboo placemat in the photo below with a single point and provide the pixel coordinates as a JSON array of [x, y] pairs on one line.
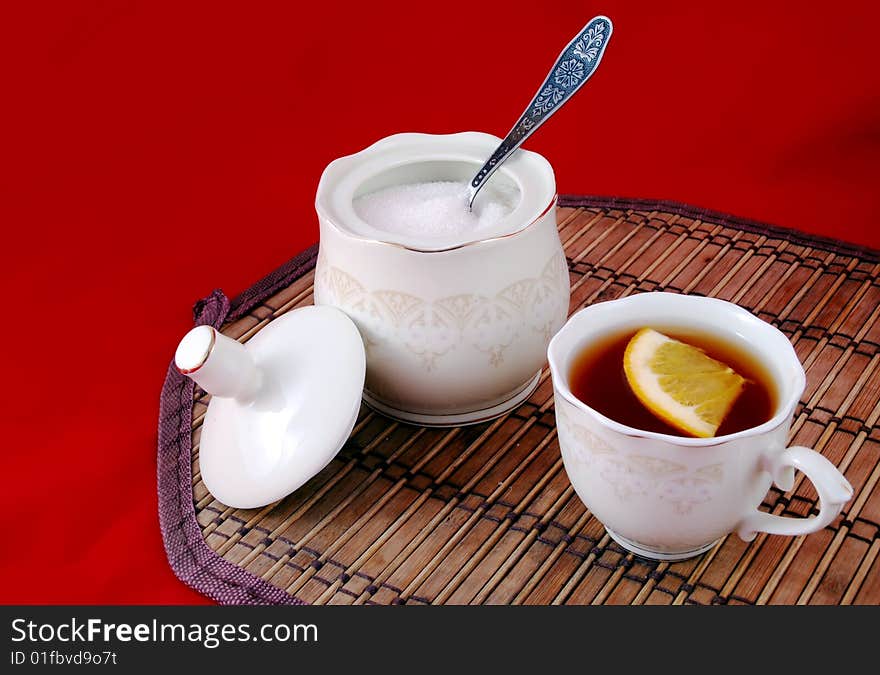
[[486, 514]]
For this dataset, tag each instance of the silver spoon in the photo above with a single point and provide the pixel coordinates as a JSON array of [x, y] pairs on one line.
[[575, 65]]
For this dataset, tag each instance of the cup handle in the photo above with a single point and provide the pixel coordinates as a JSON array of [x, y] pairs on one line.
[[833, 489]]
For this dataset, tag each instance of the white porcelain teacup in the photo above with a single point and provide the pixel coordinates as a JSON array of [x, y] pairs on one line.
[[669, 497]]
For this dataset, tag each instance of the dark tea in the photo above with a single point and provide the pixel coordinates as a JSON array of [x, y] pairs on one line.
[[597, 378]]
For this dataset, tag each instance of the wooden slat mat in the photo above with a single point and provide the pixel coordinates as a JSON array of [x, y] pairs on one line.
[[486, 514]]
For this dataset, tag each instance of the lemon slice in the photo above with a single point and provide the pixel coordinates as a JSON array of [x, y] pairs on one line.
[[679, 383]]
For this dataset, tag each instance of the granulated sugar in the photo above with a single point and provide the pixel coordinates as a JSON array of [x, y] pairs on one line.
[[435, 209]]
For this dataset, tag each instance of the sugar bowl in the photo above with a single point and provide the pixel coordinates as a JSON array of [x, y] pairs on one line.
[[441, 327], [455, 323]]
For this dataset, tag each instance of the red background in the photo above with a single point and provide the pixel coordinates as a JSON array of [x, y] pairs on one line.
[[150, 149]]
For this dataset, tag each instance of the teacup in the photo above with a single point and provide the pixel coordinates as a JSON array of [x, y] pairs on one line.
[[455, 331], [668, 497]]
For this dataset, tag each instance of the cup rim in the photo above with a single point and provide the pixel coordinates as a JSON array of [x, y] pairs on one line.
[[534, 163], [784, 409]]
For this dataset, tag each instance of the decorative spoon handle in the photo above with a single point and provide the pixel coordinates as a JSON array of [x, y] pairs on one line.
[[577, 62]]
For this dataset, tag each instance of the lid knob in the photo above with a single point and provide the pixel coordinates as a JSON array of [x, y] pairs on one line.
[[218, 364]]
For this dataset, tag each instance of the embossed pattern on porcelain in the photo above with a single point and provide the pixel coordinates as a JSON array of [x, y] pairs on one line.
[[430, 330], [455, 335], [651, 493], [669, 497]]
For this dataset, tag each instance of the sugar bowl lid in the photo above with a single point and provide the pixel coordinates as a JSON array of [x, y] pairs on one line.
[[281, 406]]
